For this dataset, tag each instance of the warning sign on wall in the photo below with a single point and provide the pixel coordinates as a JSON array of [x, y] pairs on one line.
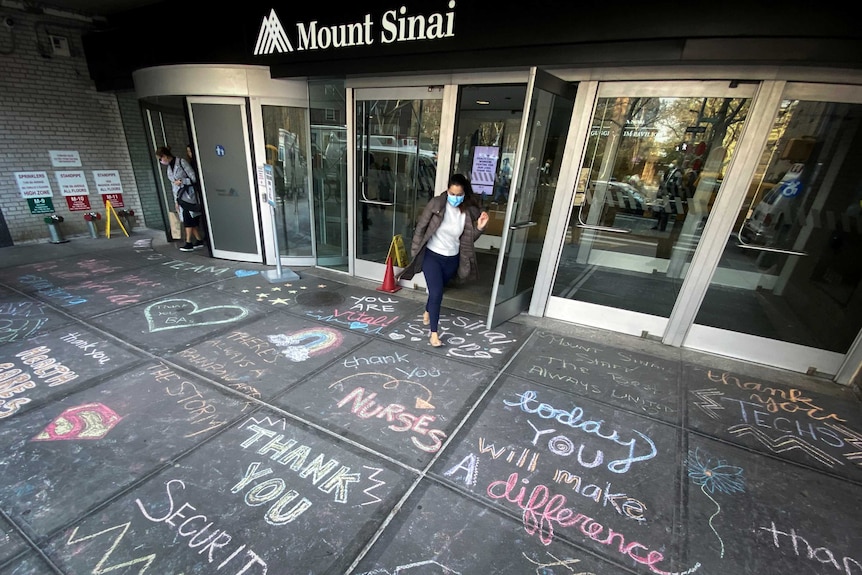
[[41, 205], [78, 203]]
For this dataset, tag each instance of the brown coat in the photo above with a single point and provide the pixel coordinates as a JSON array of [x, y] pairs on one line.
[[429, 221]]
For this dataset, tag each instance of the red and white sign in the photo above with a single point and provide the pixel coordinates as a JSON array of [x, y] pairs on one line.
[[109, 186], [33, 184], [115, 199], [72, 183], [79, 203]]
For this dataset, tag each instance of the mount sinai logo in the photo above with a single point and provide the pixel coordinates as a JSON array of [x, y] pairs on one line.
[[395, 26]]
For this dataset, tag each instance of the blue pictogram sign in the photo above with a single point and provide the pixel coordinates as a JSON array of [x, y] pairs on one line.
[[790, 188]]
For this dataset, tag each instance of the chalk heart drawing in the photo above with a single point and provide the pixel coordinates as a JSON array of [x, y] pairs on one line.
[[180, 313], [396, 335], [245, 273]]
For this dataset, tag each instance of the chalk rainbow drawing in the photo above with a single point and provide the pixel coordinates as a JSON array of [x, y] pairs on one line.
[[303, 344], [713, 475]]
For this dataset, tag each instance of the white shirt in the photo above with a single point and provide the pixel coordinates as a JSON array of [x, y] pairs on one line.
[[447, 240]]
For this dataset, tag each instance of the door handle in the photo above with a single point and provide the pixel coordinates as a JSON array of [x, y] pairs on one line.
[[746, 246], [604, 229], [772, 250], [581, 224], [366, 200], [522, 225], [376, 203]]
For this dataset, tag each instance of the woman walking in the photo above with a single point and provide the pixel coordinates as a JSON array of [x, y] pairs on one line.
[[443, 245], [182, 175]]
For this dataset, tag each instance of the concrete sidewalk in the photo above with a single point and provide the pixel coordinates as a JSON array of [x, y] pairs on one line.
[[169, 413]]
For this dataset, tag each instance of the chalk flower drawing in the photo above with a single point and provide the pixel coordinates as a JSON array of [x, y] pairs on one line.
[[712, 475]]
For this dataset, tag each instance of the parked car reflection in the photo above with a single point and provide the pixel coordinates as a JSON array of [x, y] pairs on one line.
[[620, 195]]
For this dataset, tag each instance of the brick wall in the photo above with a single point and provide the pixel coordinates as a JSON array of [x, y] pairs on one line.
[[48, 102]]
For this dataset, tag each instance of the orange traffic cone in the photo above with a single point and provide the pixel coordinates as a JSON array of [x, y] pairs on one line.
[[389, 284]]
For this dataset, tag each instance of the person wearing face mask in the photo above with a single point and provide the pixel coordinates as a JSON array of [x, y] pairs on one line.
[[181, 175], [443, 245]]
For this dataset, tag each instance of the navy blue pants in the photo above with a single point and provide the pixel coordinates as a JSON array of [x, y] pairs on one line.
[[438, 271]]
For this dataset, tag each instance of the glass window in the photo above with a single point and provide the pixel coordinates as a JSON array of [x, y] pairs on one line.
[[791, 272], [329, 171], [651, 172], [396, 170], [285, 132]]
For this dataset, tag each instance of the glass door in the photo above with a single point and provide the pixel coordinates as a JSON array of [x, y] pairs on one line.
[[487, 132], [166, 125], [398, 133], [329, 150], [286, 140], [653, 163], [786, 289], [548, 113], [220, 127]]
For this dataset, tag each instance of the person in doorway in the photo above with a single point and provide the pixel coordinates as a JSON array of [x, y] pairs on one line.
[[504, 180], [384, 182], [183, 176], [669, 191], [190, 158], [443, 245]]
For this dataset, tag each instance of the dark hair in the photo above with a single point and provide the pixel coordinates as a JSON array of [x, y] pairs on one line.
[[464, 183], [163, 151]]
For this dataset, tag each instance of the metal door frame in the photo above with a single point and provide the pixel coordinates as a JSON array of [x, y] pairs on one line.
[[548, 82], [679, 329], [794, 357], [365, 268], [624, 321], [418, 87]]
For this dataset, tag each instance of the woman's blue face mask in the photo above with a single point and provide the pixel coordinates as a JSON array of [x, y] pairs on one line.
[[455, 201]]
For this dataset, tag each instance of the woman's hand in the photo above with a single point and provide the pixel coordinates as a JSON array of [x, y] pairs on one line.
[[482, 221]]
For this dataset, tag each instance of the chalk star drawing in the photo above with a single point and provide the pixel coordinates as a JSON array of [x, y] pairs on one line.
[[321, 286], [784, 443], [276, 289], [172, 313], [706, 404], [303, 344], [87, 421], [714, 475], [279, 300]]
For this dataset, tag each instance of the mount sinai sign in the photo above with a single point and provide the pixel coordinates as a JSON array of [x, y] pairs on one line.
[[394, 26]]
